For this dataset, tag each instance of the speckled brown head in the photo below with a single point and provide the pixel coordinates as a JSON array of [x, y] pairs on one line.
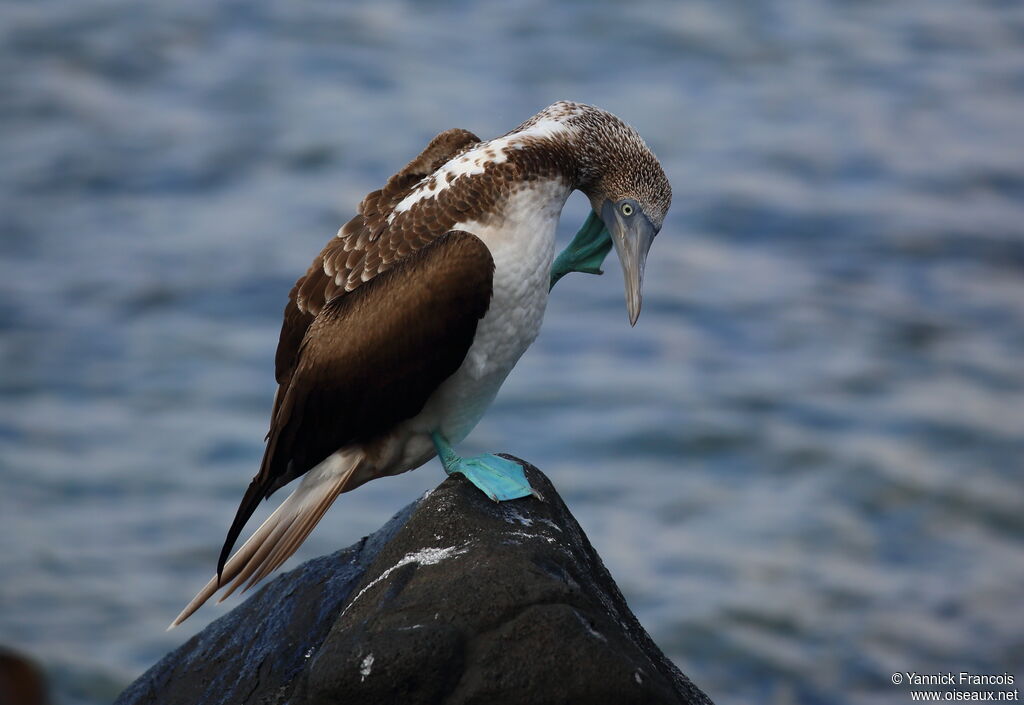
[[622, 178]]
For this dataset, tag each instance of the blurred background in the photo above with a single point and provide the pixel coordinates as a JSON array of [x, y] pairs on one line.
[[803, 466]]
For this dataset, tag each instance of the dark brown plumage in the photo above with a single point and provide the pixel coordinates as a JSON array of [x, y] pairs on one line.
[[351, 381], [346, 260]]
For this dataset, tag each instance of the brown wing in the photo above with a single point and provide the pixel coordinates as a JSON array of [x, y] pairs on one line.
[[364, 247], [372, 358]]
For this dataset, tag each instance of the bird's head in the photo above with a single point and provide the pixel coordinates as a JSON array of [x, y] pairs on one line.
[[629, 191]]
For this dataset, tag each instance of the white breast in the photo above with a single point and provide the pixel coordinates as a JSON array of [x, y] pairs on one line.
[[522, 243]]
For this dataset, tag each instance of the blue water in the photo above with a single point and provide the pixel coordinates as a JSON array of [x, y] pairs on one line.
[[803, 465]]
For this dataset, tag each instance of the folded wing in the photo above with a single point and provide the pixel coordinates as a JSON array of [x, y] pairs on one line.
[[369, 360]]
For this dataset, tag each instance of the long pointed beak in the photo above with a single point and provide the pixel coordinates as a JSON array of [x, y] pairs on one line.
[[632, 238]]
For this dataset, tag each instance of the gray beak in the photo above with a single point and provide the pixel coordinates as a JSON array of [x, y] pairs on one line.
[[632, 237]]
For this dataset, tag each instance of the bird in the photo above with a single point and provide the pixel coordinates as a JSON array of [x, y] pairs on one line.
[[401, 332]]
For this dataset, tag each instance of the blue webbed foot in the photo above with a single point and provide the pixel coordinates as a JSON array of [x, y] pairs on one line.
[[498, 478], [586, 252]]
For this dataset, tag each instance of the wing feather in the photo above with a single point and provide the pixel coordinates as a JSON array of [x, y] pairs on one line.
[[342, 265], [371, 359]]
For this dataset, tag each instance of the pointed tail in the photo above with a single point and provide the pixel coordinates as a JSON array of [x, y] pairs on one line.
[[283, 531]]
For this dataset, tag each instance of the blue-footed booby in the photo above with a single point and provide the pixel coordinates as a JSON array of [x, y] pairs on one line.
[[397, 338]]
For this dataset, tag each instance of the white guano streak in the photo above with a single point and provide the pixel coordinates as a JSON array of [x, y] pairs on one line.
[[426, 556], [365, 668]]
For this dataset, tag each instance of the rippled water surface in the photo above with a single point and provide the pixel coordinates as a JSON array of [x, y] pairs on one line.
[[803, 465]]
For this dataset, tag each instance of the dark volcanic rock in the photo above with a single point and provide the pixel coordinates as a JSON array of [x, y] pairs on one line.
[[456, 600], [263, 645]]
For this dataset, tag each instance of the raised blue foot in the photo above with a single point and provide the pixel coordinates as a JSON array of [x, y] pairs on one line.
[[586, 252], [498, 478]]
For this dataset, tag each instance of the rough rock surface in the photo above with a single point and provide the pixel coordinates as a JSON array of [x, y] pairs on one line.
[[456, 600]]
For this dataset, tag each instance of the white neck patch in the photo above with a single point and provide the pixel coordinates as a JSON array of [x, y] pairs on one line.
[[476, 160]]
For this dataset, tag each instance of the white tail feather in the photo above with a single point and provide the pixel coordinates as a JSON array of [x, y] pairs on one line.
[[283, 531]]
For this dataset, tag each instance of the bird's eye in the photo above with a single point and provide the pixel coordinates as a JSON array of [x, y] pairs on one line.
[[627, 209]]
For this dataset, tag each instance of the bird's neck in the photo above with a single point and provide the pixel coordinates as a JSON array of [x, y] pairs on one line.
[[568, 155], [525, 214], [507, 184]]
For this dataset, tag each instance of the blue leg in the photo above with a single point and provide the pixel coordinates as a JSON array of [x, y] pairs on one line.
[[586, 252], [498, 478]]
